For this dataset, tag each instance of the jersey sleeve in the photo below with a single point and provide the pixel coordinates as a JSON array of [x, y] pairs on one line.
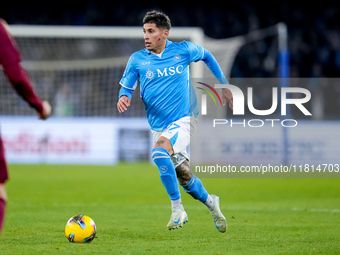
[[214, 67], [130, 76], [10, 60], [22, 85], [9, 52], [196, 52]]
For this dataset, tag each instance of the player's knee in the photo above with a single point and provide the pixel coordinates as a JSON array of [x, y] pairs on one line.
[[184, 173], [159, 152], [159, 156], [165, 143]]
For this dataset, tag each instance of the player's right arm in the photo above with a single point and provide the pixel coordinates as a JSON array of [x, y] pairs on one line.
[[123, 104], [128, 83]]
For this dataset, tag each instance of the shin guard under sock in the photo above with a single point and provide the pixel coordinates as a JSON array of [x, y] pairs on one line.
[[167, 172]]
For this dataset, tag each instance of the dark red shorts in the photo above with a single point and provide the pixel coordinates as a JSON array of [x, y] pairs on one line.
[[3, 164]]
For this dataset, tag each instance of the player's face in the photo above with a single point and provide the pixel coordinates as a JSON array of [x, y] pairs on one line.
[[154, 37]]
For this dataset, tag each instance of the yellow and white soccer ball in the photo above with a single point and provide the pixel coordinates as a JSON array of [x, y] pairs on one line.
[[80, 229]]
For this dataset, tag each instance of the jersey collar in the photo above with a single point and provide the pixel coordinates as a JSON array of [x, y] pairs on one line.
[[166, 46]]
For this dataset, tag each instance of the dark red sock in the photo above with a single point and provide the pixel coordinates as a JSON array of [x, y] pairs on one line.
[[2, 212]]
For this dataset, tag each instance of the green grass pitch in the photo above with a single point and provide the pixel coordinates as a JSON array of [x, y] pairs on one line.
[[131, 209]]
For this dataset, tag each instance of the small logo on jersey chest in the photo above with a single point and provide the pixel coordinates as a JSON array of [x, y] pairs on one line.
[[177, 57], [149, 74], [145, 63]]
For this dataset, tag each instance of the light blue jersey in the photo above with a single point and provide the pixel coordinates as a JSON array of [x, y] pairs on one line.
[[164, 80]]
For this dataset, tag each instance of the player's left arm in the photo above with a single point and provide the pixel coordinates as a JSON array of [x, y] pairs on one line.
[[128, 82], [124, 100], [214, 67]]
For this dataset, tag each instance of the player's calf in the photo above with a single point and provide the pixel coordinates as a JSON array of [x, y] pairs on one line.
[[167, 172], [190, 183], [184, 173], [196, 189]]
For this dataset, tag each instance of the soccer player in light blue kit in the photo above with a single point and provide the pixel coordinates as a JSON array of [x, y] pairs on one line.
[[162, 71]]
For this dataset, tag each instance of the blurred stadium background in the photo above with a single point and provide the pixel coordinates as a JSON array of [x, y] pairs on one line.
[[79, 74], [313, 29]]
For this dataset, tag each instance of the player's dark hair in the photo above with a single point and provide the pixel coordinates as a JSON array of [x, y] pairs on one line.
[[159, 18]]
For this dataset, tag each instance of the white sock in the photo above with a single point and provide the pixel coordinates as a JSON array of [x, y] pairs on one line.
[[175, 203], [209, 202]]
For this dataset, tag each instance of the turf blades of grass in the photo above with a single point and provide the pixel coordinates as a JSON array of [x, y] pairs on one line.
[[131, 209]]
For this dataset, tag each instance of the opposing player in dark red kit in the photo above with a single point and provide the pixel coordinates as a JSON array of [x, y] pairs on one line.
[[10, 60]]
